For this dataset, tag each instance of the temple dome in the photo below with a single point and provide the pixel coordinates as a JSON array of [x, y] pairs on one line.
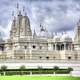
[[43, 34], [56, 38], [66, 37]]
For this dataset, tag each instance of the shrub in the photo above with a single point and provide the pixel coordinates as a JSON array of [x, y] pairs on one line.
[[56, 68], [70, 69], [3, 67], [22, 67]]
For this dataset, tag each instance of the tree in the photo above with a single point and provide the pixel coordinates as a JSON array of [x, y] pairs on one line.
[[22, 68], [56, 68], [70, 69], [40, 69], [3, 68]]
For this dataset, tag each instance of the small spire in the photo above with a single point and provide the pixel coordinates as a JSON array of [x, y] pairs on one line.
[[24, 12], [62, 33], [12, 13], [40, 25], [1, 36], [79, 20], [52, 35], [17, 6], [78, 23], [55, 33], [18, 11], [65, 32], [13, 17], [34, 31], [42, 28], [23, 8], [34, 34]]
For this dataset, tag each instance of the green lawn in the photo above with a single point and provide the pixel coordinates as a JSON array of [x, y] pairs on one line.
[[38, 78]]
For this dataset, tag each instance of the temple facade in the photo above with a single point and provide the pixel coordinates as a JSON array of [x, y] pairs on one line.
[[25, 45]]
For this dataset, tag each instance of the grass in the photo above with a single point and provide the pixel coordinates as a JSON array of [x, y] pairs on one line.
[[38, 78]]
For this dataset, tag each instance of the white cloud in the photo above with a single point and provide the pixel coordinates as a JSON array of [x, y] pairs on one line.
[[5, 31], [56, 15]]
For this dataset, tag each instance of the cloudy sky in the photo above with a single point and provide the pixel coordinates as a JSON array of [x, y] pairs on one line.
[[55, 15]]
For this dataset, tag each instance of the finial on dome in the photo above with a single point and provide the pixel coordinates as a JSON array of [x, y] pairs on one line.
[[1, 35], [12, 13], [17, 6], [24, 12], [42, 28], [55, 33], [65, 32], [52, 35], [13, 16], [18, 11], [78, 23], [34, 34], [23, 8]]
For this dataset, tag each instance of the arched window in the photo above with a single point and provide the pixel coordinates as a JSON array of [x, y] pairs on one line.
[[69, 58], [47, 57], [34, 46]]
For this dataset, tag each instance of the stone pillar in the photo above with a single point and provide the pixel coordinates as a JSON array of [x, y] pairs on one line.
[[30, 51], [64, 46], [55, 46], [71, 47], [60, 46], [50, 47], [30, 54]]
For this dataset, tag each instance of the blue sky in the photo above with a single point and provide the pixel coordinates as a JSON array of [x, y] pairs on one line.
[[55, 15]]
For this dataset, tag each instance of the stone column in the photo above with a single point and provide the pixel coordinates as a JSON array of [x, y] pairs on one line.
[[60, 46], [64, 46], [30, 51], [30, 54], [71, 47], [55, 46]]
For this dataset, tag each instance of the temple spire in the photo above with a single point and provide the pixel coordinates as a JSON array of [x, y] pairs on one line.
[[24, 12], [17, 6], [23, 8], [12, 13], [42, 28], [13, 16], [18, 11], [1, 36], [34, 34]]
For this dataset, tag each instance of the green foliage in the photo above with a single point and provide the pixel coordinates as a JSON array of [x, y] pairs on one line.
[[22, 67], [40, 67], [3, 68], [23, 71], [70, 69], [56, 68]]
